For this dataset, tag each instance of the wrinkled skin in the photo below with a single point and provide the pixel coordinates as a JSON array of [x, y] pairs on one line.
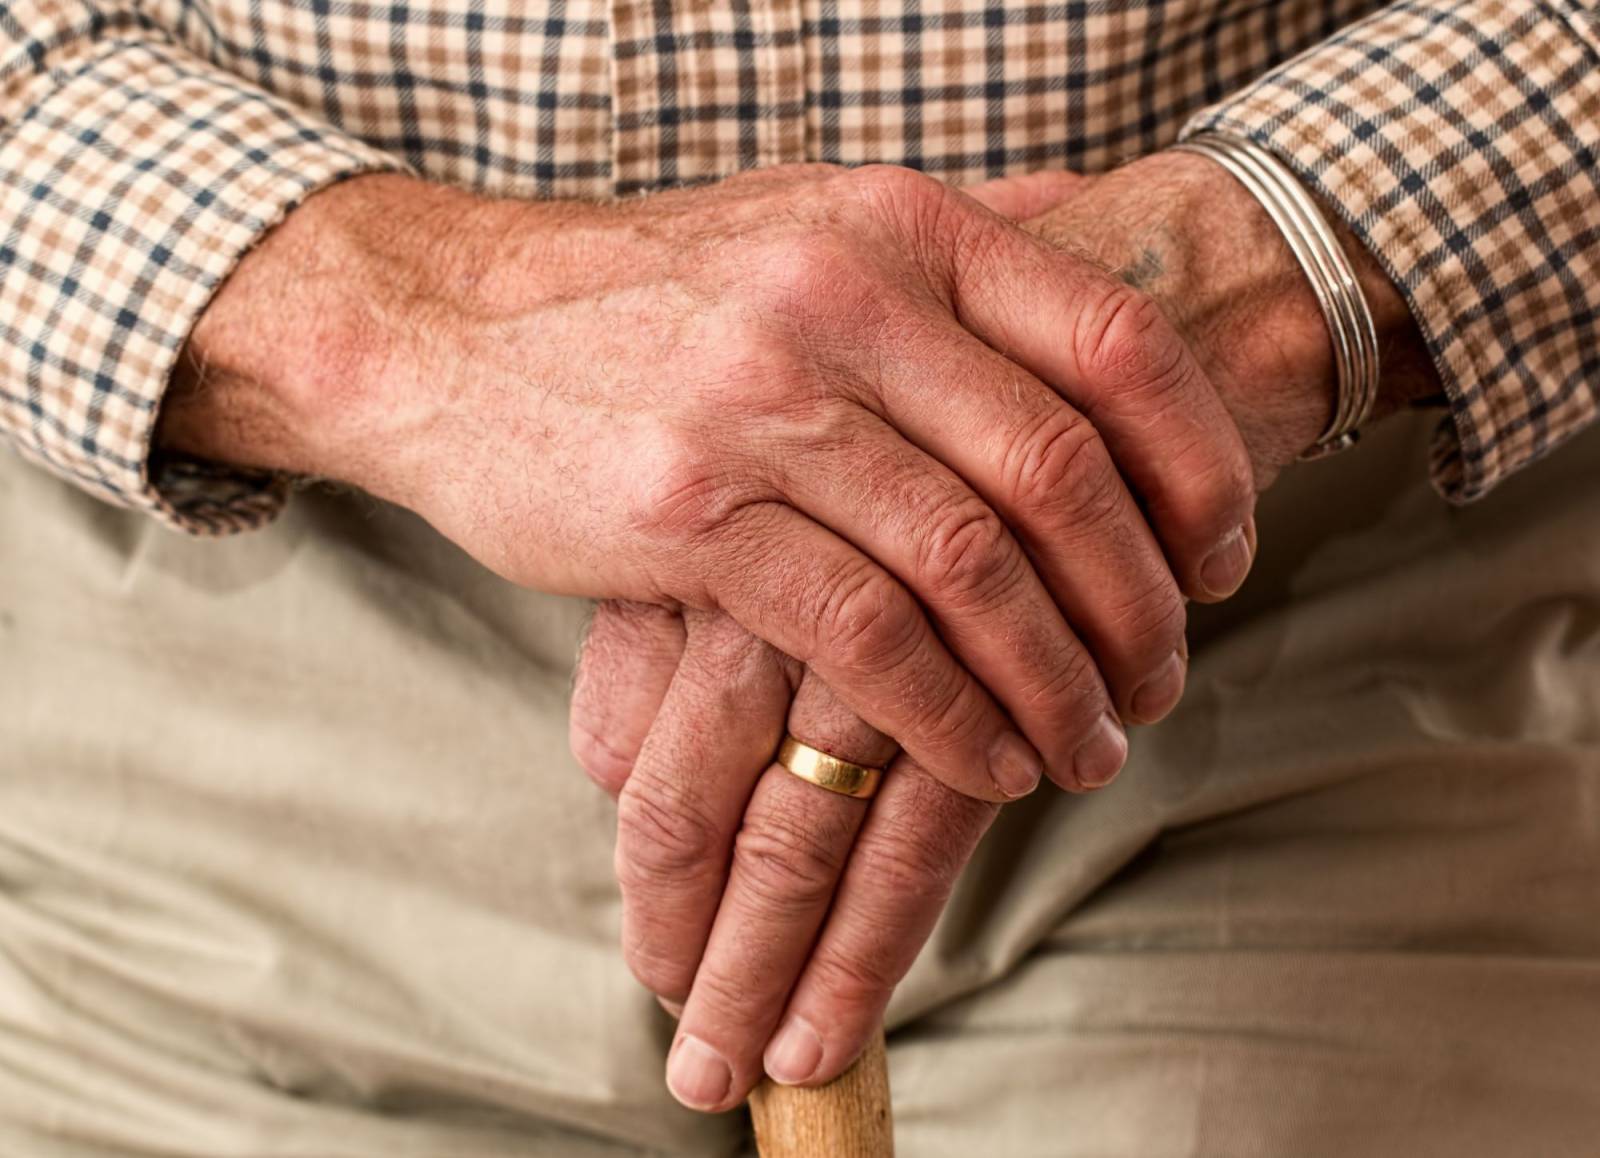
[[864, 458], [813, 907]]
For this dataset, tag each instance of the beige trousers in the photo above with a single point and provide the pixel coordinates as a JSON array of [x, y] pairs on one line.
[[294, 861]]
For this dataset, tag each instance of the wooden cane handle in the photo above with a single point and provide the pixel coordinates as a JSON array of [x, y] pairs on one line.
[[847, 1118]]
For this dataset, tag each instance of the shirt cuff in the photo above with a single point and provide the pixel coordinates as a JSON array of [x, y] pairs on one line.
[[130, 187], [1459, 142]]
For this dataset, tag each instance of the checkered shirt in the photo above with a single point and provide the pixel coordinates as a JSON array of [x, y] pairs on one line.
[[145, 145]]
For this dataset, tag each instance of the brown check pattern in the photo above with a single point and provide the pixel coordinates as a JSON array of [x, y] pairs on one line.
[[146, 144]]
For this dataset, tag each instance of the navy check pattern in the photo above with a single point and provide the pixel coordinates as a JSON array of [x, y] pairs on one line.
[[145, 145], [1461, 142]]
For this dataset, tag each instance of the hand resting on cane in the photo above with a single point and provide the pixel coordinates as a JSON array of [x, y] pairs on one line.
[[885, 430], [788, 920]]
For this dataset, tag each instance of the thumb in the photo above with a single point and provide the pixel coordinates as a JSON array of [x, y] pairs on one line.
[[1028, 194]]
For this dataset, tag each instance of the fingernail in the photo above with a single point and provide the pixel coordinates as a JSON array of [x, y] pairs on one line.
[[697, 1075], [1015, 766], [794, 1055], [673, 1007], [1226, 567], [1101, 756], [1158, 694]]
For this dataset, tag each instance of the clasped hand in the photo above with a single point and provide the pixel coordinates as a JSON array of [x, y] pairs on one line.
[[1093, 478], [857, 456]]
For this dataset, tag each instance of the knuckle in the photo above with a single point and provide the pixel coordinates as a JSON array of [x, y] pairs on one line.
[[975, 243], [691, 491], [1073, 684], [1237, 481], [968, 553], [919, 209], [895, 187], [657, 967], [950, 720], [603, 764], [721, 646], [1136, 359], [856, 977], [1207, 489], [786, 867], [622, 620], [1153, 621], [1071, 474], [664, 837], [804, 267], [1126, 339], [916, 869], [727, 995], [813, 291], [867, 622], [1047, 458], [1148, 626], [1221, 485], [822, 421]]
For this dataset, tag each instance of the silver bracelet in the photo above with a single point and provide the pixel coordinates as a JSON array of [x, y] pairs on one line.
[[1327, 267]]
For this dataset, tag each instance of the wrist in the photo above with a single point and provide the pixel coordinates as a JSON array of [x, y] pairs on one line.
[[318, 355], [1184, 230]]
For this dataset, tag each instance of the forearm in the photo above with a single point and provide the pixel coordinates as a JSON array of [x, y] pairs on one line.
[[136, 171]]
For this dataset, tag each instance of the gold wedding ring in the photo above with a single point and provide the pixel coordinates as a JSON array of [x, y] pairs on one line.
[[830, 772]]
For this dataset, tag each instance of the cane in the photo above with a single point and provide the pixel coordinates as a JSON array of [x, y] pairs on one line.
[[847, 1118]]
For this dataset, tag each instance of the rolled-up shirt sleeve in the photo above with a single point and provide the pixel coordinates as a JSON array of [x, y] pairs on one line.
[[1460, 141], [133, 176]]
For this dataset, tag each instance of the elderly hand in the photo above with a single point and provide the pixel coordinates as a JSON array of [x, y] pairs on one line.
[[730, 865], [760, 897], [879, 426]]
